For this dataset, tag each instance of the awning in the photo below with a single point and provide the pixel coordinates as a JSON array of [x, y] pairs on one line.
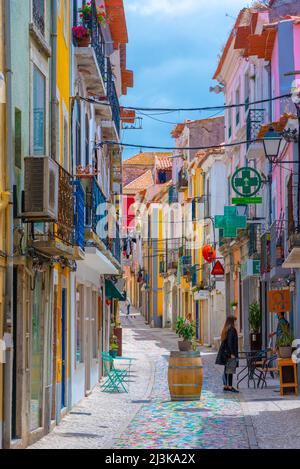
[[112, 292], [97, 261]]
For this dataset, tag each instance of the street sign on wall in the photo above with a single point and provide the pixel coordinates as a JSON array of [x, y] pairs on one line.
[[246, 200], [251, 268]]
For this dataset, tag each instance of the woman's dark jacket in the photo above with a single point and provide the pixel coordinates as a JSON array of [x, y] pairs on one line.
[[229, 346]]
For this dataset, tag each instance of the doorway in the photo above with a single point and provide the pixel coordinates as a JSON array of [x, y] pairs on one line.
[[63, 346], [36, 374]]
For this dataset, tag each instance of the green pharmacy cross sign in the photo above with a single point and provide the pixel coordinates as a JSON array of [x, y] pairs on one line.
[[246, 182], [230, 222]]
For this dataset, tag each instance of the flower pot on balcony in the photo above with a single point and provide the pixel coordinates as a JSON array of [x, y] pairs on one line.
[[83, 42]]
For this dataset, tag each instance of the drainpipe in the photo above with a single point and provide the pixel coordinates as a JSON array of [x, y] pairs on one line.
[[53, 80], [8, 313]]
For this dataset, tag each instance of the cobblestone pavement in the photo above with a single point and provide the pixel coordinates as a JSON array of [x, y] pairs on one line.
[[146, 418]]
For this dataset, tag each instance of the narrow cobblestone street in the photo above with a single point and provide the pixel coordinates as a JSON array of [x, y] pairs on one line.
[[146, 417]]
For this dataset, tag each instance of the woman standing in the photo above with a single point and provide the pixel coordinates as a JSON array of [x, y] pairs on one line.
[[228, 353]]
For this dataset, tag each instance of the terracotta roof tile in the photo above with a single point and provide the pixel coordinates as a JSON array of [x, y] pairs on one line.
[[142, 182], [278, 126], [164, 163], [145, 158]]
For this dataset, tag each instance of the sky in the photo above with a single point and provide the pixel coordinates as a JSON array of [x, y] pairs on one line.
[[173, 50]]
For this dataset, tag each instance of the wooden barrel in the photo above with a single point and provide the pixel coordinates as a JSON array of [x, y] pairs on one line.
[[185, 376]]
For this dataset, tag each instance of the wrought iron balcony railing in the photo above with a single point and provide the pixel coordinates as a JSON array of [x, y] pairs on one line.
[[112, 96], [255, 118], [65, 222], [96, 211], [79, 214], [97, 40], [38, 15]]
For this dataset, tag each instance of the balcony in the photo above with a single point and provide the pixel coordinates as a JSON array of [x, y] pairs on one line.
[[183, 182], [293, 259], [278, 248], [97, 233], [113, 97], [91, 59], [65, 237], [162, 267], [255, 119]]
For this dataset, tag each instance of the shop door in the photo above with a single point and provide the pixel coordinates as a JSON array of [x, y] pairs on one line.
[[36, 375], [197, 321], [63, 348], [15, 358]]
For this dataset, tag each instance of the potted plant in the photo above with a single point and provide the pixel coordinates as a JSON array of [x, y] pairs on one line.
[[284, 342], [85, 13], [255, 318], [187, 331], [114, 347], [234, 305], [81, 35]]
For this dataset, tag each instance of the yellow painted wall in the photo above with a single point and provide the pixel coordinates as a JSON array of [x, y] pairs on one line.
[[63, 95], [2, 212], [160, 248]]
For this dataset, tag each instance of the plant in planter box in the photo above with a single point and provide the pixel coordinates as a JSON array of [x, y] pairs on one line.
[[114, 346], [82, 35], [285, 341], [255, 318], [187, 331]]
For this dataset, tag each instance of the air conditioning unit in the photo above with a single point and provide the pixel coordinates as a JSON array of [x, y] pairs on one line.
[[41, 189]]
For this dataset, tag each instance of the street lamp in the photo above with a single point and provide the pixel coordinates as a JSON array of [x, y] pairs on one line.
[[271, 142]]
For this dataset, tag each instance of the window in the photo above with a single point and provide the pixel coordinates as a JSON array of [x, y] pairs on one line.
[[39, 112], [57, 119], [229, 122], [18, 138], [87, 146], [237, 109], [66, 20], [79, 325], [94, 319], [66, 144], [247, 92], [38, 15]]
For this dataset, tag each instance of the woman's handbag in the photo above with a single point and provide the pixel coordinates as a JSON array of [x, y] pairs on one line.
[[230, 367]]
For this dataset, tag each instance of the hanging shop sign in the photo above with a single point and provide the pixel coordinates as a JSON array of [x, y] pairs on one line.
[[230, 222], [218, 269], [201, 295], [246, 200], [279, 301], [251, 268], [246, 182], [209, 253]]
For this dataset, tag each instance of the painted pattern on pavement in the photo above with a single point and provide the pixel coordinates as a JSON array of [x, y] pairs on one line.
[[216, 421]]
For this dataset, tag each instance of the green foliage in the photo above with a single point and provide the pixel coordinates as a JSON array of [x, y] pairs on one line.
[[185, 328], [233, 303], [286, 337], [255, 318], [114, 343]]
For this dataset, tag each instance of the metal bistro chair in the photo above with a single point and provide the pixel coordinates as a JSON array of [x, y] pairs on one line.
[[114, 377], [254, 371], [267, 367]]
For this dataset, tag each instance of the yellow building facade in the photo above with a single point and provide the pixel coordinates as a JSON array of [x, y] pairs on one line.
[[3, 205], [62, 294]]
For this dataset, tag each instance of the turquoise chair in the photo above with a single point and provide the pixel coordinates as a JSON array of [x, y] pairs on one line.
[[114, 381]]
